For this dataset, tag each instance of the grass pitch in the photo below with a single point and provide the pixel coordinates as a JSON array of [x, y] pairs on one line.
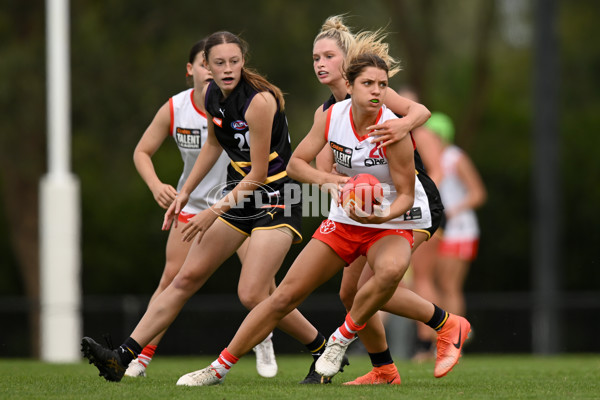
[[475, 377]]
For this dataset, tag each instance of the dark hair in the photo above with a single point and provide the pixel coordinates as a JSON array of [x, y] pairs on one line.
[[198, 47], [257, 81], [358, 64]]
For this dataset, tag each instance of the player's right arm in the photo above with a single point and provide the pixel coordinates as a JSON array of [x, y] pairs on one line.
[[151, 140]]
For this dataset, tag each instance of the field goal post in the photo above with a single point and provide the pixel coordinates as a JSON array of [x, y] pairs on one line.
[[59, 226]]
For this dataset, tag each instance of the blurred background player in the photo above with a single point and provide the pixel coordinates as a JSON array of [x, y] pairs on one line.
[[424, 261], [441, 277]]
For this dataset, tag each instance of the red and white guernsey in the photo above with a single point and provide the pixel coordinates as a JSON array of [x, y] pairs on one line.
[[189, 129], [354, 154], [462, 226]]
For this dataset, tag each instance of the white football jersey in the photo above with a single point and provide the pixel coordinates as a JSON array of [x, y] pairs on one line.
[[462, 226], [354, 154], [189, 129]]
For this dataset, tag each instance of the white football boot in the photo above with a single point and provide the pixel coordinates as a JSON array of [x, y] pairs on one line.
[[204, 377], [266, 365], [135, 369], [331, 360]]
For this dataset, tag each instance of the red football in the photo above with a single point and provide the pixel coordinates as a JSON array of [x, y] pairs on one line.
[[362, 191]]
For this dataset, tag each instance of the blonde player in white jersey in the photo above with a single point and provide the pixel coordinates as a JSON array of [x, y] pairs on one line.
[[331, 47], [183, 118], [385, 237]]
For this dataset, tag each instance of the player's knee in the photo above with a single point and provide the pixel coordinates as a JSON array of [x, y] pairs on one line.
[[186, 283], [347, 296], [283, 302], [250, 298], [165, 281], [390, 271]]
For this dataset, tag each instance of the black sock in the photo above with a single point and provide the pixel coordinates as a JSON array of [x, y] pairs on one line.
[[381, 359], [317, 346], [439, 318], [129, 350]]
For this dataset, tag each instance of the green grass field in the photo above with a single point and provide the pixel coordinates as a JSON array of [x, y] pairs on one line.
[[476, 377]]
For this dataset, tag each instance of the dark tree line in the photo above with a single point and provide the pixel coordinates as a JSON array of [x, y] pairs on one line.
[[129, 57]]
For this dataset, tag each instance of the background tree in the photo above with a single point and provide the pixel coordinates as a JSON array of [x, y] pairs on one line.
[[22, 151]]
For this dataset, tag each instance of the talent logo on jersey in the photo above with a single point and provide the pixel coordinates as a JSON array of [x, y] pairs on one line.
[[239, 125], [218, 122], [188, 138], [342, 154], [327, 226]]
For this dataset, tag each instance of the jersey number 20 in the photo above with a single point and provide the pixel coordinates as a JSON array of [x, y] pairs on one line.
[[244, 140]]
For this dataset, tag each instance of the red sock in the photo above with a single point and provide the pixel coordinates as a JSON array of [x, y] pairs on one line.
[[223, 364], [146, 355], [349, 328]]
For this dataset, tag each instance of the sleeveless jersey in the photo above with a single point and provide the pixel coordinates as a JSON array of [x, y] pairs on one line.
[[356, 154], [462, 226], [433, 195], [231, 130], [188, 128]]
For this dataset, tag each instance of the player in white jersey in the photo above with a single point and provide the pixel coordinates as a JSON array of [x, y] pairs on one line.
[[462, 192], [330, 50], [355, 154], [183, 118], [335, 243]]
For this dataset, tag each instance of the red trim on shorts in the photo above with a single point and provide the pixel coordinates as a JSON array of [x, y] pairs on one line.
[[351, 241], [185, 217], [461, 249]]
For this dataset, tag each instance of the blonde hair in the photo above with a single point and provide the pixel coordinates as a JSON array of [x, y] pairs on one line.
[[372, 43], [353, 45], [335, 29]]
